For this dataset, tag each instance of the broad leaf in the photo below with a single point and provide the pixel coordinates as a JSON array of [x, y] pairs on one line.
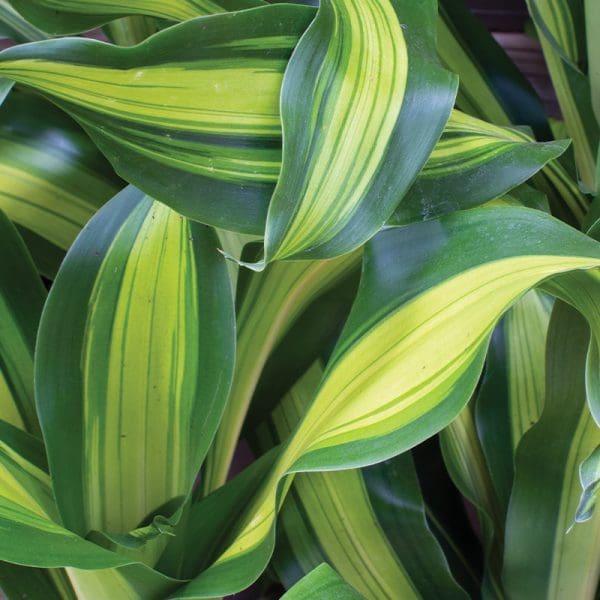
[[174, 114], [422, 283], [360, 522], [139, 322], [359, 80]]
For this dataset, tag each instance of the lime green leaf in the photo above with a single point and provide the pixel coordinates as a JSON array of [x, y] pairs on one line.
[[560, 28], [139, 321], [323, 583], [52, 178], [357, 521], [358, 81], [74, 16], [173, 114], [541, 559], [22, 297], [272, 301], [512, 393], [441, 282], [473, 162]]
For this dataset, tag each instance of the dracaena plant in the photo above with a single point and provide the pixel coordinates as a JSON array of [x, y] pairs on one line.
[[296, 297]]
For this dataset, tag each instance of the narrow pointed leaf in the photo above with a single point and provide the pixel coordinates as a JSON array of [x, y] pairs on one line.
[[422, 283], [541, 558], [368, 75], [22, 297], [139, 321], [74, 16], [473, 162], [173, 114], [560, 29]]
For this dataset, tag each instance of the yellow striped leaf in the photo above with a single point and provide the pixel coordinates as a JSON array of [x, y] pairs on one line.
[[449, 279], [138, 322], [358, 80], [173, 114], [73, 16]]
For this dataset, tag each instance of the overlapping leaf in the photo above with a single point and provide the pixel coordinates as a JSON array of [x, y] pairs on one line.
[[541, 558], [74, 16], [560, 28], [52, 178], [173, 114], [360, 522], [22, 297], [345, 161], [457, 276], [149, 332], [271, 302], [324, 583]]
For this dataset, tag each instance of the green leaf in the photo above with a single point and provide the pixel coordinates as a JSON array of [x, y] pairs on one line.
[[466, 464], [358, 81], [173, 114], [19, 582], [15, 27], [74, 16], [22, 298], [473, 162], [360, 522], [592, 24], [457, 276], [52, 178], [139, 322], [491, 85], [323, 583], [512, 393], [560, 29], [272, 301], [541, 559]]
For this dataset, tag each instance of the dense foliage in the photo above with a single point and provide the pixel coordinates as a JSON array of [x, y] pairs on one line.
[[339, 252]]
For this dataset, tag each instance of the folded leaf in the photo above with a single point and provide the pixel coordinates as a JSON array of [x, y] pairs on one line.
[[541, 559], [473, 162], [271, 303], [173, 114], [139, 322], [360, 522], [358, 81], [448, 279], [74, 16], [22, 297]]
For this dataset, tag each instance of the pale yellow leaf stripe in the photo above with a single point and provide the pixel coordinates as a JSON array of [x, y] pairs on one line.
[[416, 354], [126, 386], [361, 87]]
